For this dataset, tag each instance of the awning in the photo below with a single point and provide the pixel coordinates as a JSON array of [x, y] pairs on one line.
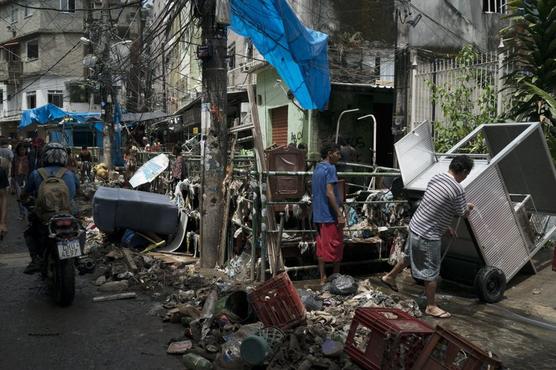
[[51, 114]]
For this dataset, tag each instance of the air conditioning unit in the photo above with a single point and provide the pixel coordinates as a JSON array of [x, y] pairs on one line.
[[245, 68]]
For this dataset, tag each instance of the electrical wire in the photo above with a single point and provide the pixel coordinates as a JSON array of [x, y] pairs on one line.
[[129, 4]]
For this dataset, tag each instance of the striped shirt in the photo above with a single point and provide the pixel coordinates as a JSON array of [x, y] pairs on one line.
[[443, 199]]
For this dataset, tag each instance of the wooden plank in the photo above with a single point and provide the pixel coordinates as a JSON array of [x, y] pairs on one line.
[[225, 220], [113, 297], [129, 260], [274, 252]]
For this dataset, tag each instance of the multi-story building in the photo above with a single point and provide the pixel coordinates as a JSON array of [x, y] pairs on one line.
[[41, 54]]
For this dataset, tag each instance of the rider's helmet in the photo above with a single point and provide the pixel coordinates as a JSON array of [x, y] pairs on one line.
[[54, 154]]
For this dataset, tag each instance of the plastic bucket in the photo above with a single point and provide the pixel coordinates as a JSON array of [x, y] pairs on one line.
[[236, 306]]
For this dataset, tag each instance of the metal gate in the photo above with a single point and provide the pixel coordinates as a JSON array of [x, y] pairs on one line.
[[488, 68]]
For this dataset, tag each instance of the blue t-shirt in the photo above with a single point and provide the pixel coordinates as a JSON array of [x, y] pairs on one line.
[[35, 180], [324, 173]]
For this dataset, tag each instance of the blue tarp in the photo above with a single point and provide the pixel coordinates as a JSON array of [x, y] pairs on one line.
[[50, 113], [298, 54]]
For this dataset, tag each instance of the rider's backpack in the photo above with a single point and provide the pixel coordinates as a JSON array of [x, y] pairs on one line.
[[53, 195]]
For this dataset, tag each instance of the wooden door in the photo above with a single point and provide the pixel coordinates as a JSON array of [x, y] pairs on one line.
[[279, 119]]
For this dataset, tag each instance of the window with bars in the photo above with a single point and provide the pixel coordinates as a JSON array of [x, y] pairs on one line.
[[27, 12], [56, 97], [67, 6], [494, 6], [232, 55], [33, 49], [31, 98], [14, 13]]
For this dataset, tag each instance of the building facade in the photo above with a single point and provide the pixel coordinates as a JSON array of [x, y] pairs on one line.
[[41, 55]]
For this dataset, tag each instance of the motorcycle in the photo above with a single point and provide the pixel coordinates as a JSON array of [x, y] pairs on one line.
[[86, 171], [63, 250], [63, 241]]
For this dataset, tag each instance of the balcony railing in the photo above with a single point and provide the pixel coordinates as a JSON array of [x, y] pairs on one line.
[[10, 71]]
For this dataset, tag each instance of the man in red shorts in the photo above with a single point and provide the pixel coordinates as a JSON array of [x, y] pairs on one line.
[[327, 213]]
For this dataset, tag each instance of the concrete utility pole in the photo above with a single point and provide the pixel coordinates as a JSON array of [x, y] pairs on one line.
[[402, 66], [106, 85], [214, 131], [135, 80]]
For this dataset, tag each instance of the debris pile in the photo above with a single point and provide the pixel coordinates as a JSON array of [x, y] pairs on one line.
[[219, 322]]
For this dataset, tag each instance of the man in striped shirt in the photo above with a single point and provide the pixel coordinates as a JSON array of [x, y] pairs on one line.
[[443, 199]]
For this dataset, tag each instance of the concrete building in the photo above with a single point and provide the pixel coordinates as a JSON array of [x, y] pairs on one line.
[[361, 63], [361, 60], [41, 55]]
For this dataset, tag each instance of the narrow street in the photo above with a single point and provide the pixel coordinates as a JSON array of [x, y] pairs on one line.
[[106, 335]]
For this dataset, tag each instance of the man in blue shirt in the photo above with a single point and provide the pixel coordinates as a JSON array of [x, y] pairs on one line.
[[54, 157], [327, 214]]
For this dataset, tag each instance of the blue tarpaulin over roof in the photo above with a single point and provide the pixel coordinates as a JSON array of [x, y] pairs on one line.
[[50, 113], [298, 54]]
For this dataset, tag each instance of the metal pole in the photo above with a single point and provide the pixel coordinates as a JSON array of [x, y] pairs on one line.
[[264, 227], [352, 263], [374, 135], [256, 229], [340, 118]]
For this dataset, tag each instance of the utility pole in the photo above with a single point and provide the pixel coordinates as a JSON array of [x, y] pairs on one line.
[[135, 80], [214, 131], [106, 85]]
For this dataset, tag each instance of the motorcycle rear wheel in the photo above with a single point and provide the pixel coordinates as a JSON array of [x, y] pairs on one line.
[[61, 279]]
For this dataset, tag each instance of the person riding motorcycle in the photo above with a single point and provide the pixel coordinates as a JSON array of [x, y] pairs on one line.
[[54, 160]]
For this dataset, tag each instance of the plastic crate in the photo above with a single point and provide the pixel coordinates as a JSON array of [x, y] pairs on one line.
[[447, 350], [277, 303], [386, 338]]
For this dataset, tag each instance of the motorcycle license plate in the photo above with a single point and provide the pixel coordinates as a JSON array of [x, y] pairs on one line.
[[69, 249]]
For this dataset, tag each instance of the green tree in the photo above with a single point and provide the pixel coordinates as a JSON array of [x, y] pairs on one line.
[[531, 43], [462, 113]]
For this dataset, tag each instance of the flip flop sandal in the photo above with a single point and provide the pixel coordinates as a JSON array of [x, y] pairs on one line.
[[389, 285], [441, 315]]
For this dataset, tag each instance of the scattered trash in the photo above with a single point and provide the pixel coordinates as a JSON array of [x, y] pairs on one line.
[[332, 348], [239, 267], [195, 362], [178, 348], [255, 349], [114, 297], [342, 284], [310, 300], [100, 280]]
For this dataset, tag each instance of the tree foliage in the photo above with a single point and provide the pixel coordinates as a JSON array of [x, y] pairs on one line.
[[462, 113], [531, 44]]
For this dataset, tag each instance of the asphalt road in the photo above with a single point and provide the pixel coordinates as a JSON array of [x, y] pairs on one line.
[[36, 334]]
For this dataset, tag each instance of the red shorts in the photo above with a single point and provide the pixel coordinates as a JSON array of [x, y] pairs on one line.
[[330, 242]]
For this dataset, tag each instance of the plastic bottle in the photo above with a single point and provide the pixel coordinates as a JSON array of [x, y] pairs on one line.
[[196, 362]]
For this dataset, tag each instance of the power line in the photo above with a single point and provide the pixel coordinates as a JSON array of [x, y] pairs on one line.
[[75, 9]]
